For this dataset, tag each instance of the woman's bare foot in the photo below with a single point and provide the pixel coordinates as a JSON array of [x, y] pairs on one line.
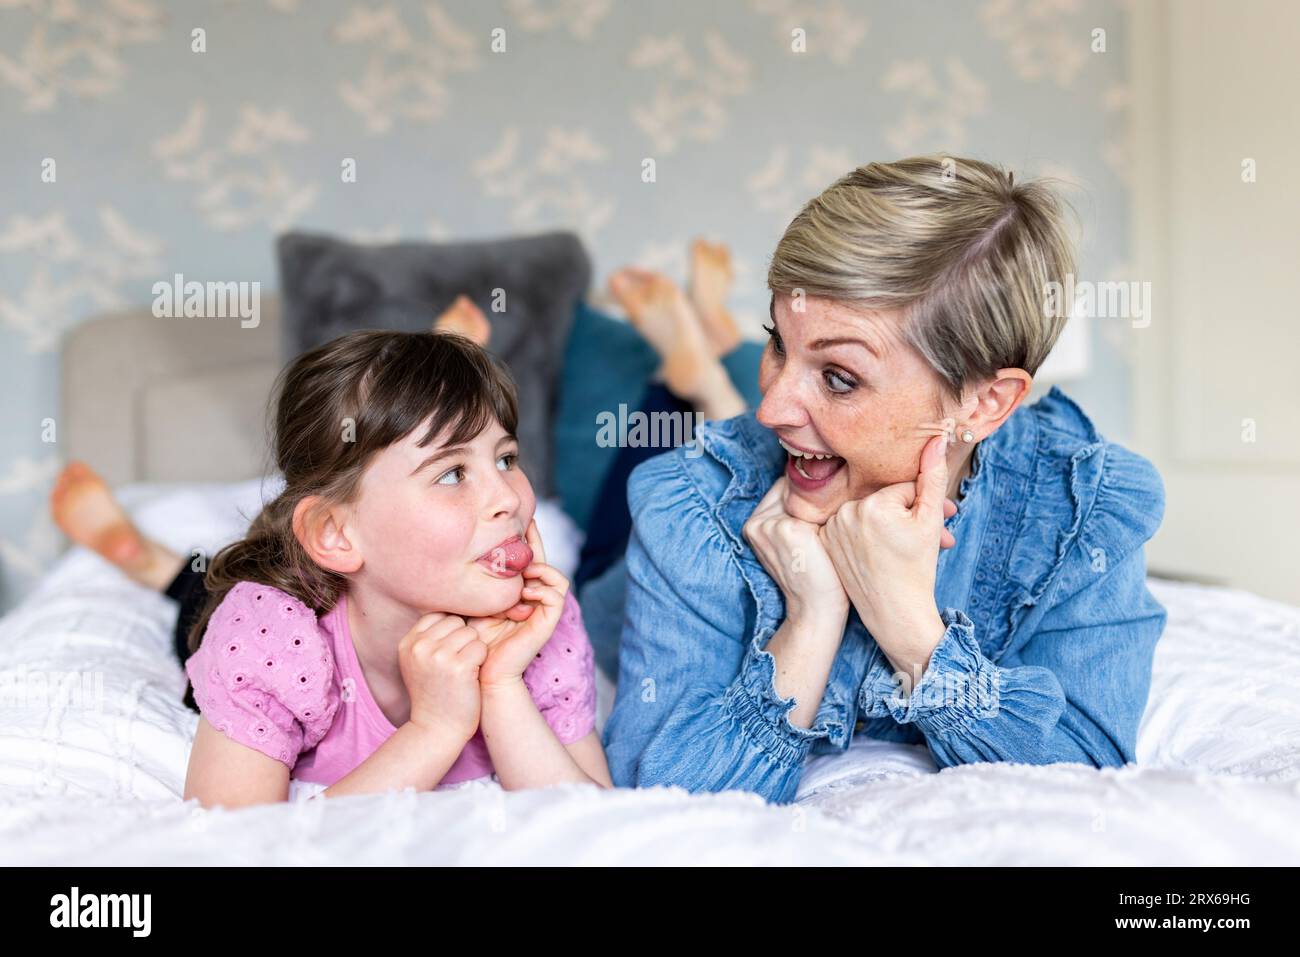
[[663, 316], [464, 318], [710, 284], [85, 509]]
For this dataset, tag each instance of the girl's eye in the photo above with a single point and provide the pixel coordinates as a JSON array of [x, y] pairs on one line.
[[452, 476], [838, 382], [510, 458], [775, 338]]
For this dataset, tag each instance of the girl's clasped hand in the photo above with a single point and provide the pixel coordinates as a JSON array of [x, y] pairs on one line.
[[447, 660]]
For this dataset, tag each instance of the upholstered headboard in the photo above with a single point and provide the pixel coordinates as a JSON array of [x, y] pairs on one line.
[[149, 399], [146, 399]]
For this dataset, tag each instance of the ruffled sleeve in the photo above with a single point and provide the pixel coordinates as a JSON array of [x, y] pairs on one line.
[[1074, 688], [264, 673], [695, 704], [961, 686], [562, 678]]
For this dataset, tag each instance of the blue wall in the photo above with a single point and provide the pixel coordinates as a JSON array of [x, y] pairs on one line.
[[170, 160]]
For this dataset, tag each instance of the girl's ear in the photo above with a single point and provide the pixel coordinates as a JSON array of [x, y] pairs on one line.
[[322, 530]]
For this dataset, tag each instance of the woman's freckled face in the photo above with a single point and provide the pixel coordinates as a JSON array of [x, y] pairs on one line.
[[422, 522], [841, 379]]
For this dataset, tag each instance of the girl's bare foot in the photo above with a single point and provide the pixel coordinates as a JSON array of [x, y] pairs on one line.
[[464, 318], [661, 313], [85, 509], [710, 284]]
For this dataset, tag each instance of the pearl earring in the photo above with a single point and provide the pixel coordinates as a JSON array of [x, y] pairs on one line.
[[967, 435]]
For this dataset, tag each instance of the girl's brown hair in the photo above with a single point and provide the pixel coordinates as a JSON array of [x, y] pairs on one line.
[[335, 407]]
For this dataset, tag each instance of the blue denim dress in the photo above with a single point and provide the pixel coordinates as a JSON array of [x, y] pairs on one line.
[[1051, 628]]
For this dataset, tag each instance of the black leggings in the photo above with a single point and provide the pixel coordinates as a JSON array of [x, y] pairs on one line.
[[188, 591]]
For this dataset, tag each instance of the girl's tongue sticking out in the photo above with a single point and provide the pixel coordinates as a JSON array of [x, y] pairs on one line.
[[509, 558]]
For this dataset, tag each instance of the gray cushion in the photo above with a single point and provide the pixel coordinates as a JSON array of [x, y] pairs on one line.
[[331, 287]]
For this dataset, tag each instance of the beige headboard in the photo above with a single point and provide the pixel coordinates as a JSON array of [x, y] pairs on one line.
[[145, 399]]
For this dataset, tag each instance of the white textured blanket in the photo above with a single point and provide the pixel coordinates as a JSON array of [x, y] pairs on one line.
[[92, 764]]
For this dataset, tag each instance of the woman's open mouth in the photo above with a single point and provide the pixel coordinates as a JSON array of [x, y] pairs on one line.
[[507, 559], [809, 470]]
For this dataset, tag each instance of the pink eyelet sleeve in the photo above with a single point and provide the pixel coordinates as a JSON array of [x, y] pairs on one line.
[[264, 673], [562, 678]]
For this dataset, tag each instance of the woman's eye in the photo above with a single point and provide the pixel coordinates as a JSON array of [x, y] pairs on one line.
[[838, 383], [452, 476], [510, 458], [775, 338]]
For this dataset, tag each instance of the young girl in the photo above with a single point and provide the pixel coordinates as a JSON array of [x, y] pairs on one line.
[[389, 620]]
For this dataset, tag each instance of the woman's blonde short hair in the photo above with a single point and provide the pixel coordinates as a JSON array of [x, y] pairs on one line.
[[965, 252]]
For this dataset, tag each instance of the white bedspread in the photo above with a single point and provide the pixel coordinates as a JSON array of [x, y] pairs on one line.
[[97, 779]]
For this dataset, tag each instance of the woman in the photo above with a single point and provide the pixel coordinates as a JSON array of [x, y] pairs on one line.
[[787, 589]]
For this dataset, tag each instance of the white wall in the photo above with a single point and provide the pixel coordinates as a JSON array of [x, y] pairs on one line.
[[1216, 383]]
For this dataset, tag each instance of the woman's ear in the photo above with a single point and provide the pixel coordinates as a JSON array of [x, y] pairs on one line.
[[998, 399], [323, 531]]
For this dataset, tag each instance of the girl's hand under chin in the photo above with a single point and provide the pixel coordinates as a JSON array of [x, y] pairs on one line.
[[515, 636]]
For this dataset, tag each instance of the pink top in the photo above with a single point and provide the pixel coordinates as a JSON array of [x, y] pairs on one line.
[[272, 677]]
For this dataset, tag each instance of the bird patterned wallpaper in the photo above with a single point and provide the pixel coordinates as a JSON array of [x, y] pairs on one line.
[[144, 138]]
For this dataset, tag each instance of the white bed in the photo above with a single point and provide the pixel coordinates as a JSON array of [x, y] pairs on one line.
[[99, 780], [166, 401]]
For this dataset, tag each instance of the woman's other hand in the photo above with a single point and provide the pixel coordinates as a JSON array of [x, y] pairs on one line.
[[885, 549]]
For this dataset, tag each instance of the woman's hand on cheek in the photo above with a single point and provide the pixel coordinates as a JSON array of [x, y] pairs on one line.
[[516, 636], [792, 552], [885, 549]]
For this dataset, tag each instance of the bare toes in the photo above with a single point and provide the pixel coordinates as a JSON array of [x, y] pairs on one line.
[[84, 508]]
